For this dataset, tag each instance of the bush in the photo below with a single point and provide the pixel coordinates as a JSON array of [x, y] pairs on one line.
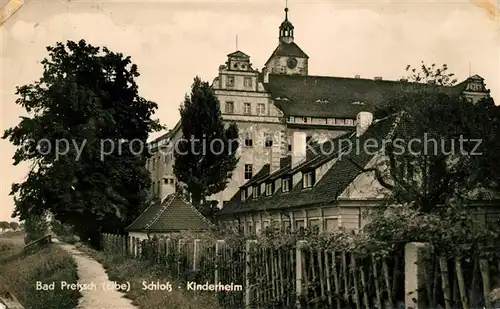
[[19, 273]]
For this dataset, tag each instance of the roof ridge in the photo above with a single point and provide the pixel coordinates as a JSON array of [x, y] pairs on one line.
[[197, 212], [168, 201]]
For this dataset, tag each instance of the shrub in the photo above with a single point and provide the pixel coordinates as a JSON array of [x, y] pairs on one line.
[[21, 271]]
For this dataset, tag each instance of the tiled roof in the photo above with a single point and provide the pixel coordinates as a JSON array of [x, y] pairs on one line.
[[171, 215], [169, 133], [329, 187], [322, 96], [263, 173], [288, 50]]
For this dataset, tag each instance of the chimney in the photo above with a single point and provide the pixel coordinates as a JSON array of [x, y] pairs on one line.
[[363, 122], [167, 186], [356, 76], [299, 148], [265, 74], [275, 156], [377, 78]]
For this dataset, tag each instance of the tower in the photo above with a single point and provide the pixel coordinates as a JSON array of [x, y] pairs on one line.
[[287, 58], [286, 30]]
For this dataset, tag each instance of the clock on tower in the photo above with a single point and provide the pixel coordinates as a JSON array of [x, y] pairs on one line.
[[291, 63]]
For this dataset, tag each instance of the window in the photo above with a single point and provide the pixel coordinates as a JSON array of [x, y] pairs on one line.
[[247, 109], [248, 171], [291, 119], [308, 180], [286, 226], [349, 122], [286, 184], [268, 139], [313, 223], [243, 194], [289, 147], [331, 224], [256, 191], [261, 109], [270, 189], [266, 224], [304, 119], [339, 121], [229, 81], [247, 82], [299, 226], [165, 181], [154, 164], [249, 228], [229, 107], [248, 139]]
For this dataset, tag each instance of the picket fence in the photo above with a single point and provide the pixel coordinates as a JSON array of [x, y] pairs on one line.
[[298, 276]]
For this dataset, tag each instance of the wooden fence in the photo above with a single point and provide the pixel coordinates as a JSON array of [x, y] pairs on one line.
[[299, 276], [38, 243]]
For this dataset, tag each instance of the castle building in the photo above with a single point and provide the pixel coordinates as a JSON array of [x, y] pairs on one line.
[[272, 105]]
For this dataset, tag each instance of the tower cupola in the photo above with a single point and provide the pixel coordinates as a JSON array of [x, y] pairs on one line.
[[286, 29]]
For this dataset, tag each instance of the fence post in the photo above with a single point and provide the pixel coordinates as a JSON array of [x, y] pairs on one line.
[[124, 242], [179, 252], [196, 249], [218, 246], [298, 271], [167, 249], [414, 275], [248, 271]]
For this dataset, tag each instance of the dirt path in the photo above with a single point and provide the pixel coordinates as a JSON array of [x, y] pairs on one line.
[[90, 271]]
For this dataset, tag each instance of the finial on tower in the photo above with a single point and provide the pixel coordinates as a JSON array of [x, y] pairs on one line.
[[286, 10]]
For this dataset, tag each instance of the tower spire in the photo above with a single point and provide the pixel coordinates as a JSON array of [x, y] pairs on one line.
[[286, 9]]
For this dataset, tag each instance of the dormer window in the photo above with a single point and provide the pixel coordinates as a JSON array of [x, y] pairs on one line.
[[286, 184], [243, 194], [269, 189], [308, 179], [256, 191], [247, 82]]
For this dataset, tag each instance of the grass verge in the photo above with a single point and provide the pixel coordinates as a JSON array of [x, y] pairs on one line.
[[122, 269], [19, 273]]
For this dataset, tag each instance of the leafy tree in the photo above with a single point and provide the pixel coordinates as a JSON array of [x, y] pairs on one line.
[[206, 156], [87, 97], [432, 182], [431, 74], [35, 226], [13, 225], [4, 225]]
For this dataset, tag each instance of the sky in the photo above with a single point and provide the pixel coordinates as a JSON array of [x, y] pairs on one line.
[[172, 42]]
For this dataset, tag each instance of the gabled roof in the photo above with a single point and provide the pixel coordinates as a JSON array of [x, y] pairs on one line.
[[288, 50], [238, 54], [335, 180], [339, 97], [174, 214]]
